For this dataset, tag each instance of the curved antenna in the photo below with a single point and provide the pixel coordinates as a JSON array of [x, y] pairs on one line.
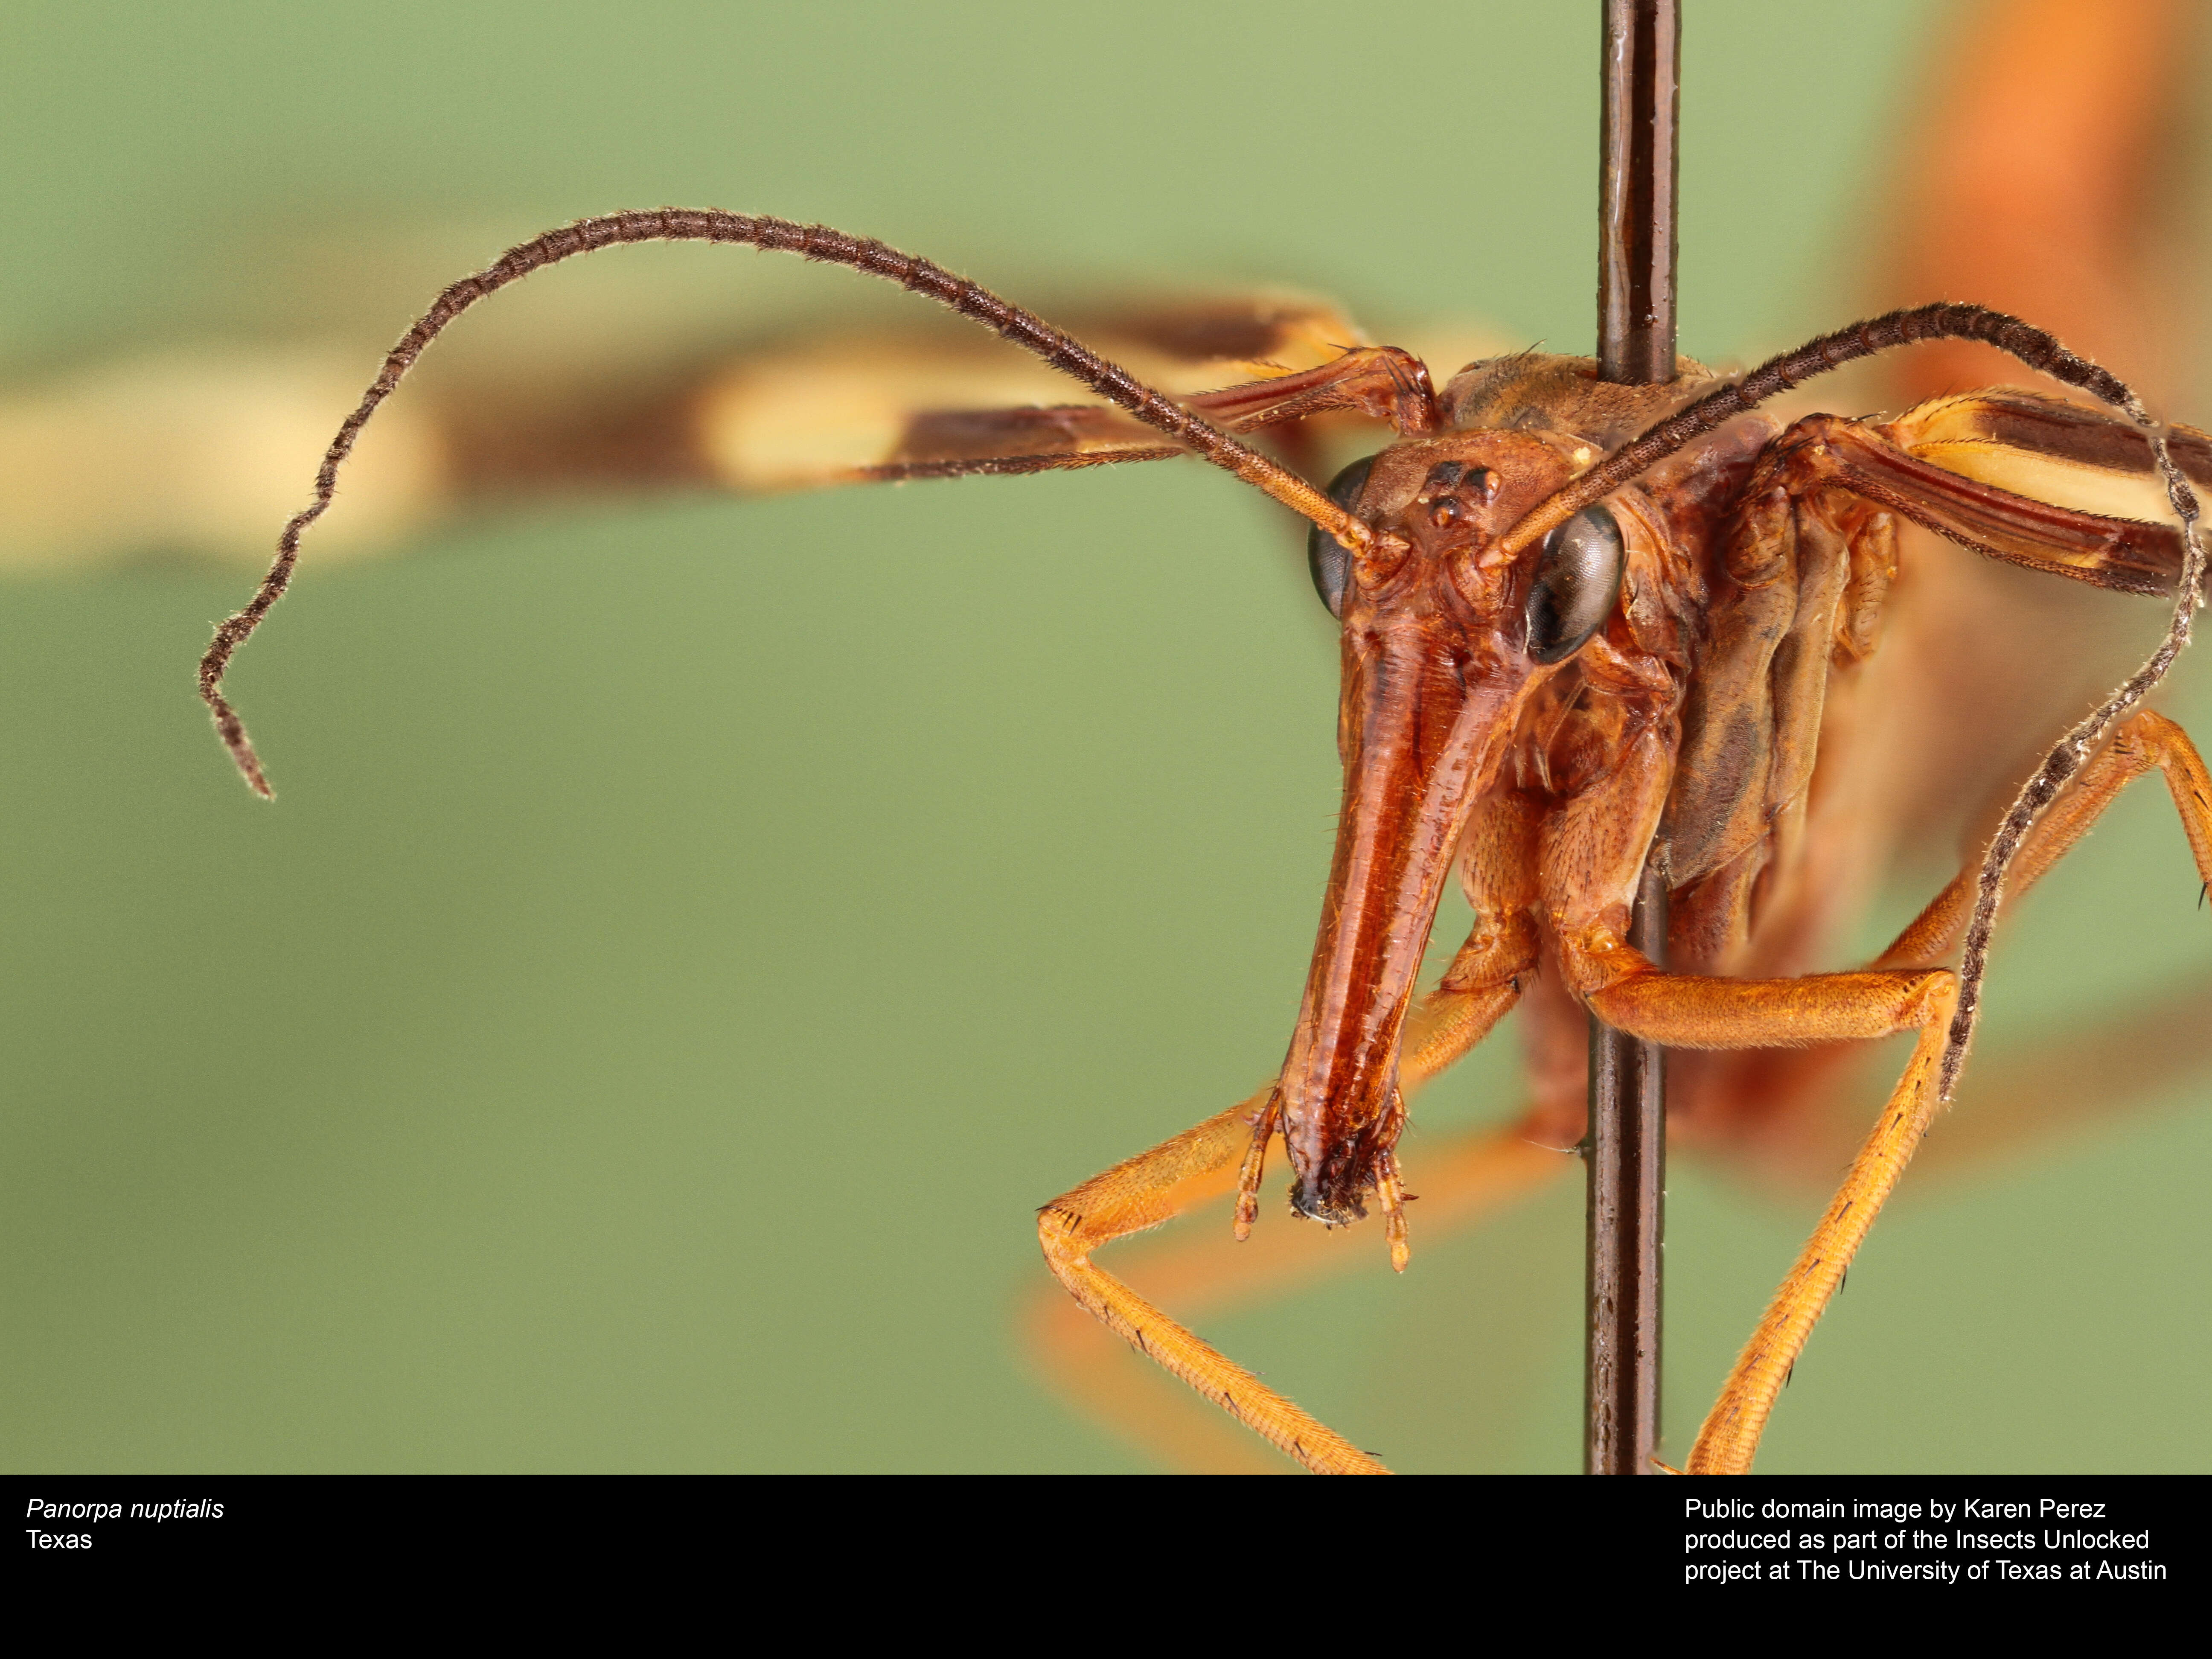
[[818, 242], [2040, 350]]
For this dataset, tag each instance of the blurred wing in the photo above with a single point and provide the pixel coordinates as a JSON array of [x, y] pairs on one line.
[[895, 406], [208, 453]]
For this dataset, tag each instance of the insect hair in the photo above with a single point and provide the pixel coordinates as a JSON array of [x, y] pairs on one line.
[[818, 242], [1952, 320], [1946, 320]]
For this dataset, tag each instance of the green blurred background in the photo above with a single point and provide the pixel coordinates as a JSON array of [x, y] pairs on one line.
[[693, 938]]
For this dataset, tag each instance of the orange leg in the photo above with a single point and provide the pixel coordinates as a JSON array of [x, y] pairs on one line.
[[2139, 745], [1460, 1180], [1687, 1012], [1763, 1112], [1690, 1012], [1205, 1162]]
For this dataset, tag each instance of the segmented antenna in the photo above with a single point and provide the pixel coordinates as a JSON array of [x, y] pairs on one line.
[[1948, 320], [2068, 756], [1117, 385]]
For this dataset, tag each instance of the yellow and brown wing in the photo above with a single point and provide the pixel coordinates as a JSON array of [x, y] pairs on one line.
[[203, 453], [2040, 482]]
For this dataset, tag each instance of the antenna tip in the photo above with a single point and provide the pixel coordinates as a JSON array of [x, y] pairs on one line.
[[249, 768]]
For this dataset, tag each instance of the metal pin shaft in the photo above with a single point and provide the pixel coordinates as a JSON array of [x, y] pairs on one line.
[[1627, 1146]]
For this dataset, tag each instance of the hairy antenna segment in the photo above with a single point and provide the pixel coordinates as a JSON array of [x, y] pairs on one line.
[[1946, 320], [818, 242]]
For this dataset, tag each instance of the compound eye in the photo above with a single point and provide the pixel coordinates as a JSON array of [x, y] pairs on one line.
[[1328, 559], [1577, 585]]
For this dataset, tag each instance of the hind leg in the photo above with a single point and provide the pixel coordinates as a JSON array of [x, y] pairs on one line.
[[1694, 1012]]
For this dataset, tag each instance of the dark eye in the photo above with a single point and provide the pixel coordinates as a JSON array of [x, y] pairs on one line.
[[1577, 581], [1328, 559]]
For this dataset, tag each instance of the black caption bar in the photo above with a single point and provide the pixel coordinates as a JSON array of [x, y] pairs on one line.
[[1712, 1543], [1998, 1537], [1926, 1536]]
